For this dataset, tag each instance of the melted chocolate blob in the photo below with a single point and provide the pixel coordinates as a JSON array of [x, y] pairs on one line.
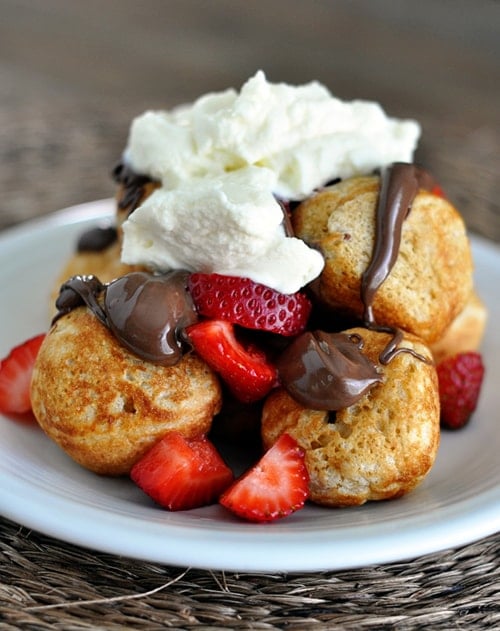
[[326, 371], [147, 313]]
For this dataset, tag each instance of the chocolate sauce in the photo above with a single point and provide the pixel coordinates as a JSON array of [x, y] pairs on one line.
[[400, 183], [287, 217], [79, 291], [147, 313], [326, 371], [133, 186], [97, 239], [399, 186]]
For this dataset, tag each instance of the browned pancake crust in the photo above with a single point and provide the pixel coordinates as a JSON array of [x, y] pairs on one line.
[[104, 406], [379, 448], [432, 278]]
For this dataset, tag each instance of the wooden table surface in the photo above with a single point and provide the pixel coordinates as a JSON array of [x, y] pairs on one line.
[[72, 75]]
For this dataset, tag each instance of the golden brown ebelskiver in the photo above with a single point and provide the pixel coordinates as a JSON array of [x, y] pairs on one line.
[[104, 406], [432, 278], [380, 447]]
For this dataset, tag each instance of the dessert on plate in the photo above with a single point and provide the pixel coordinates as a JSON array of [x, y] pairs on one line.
[[276, 256]]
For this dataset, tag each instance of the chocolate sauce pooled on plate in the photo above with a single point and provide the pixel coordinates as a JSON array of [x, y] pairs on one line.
[[147, 313], [399, 186], [326, 371]]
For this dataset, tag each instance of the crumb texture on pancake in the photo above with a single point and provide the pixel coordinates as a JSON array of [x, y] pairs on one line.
[[431, 280], [379, 448], [106, 407]]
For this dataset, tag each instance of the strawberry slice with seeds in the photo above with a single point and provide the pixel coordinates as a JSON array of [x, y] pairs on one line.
[[15, 376], [246, 371], [249, 304], [180, 473], [460, 379], [275, 487]]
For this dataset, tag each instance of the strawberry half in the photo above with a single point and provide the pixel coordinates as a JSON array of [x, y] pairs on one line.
[[460, 379], [246, 371], [249, 304], [15, 376], [180, 473], [275, 487]]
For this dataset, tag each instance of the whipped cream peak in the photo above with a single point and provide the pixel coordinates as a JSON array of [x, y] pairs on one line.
[[224, 159], [229, 224]]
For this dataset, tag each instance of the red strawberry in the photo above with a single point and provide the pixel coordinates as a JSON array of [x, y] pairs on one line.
[[15, 376], [437, 190], [251, 305], [275, 487], [180, 473], [246, 371], [460, 378]]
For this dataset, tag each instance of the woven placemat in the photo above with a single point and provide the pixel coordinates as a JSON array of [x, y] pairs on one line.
[[46, 584], [53, 156]]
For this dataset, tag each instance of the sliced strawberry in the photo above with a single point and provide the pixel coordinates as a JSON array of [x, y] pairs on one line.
[[180, 473], [275, 487], [460, 379], [249, 304], [246, 371], [15, 376]]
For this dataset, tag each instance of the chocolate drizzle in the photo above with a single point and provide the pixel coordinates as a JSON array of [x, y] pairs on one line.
[[287, 220], [329, 371], [133, 186], [147, 313], [400, 184], [79, 291]]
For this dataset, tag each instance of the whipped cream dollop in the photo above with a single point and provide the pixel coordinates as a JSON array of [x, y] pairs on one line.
[[223, 160]]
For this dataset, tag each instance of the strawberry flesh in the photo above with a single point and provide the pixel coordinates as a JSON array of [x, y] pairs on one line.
[[249, 304], [180, 473], [275, 487], [15, 376], [460, 379], [246, 371]]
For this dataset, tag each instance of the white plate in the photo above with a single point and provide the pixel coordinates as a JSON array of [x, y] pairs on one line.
[[40, 487]]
